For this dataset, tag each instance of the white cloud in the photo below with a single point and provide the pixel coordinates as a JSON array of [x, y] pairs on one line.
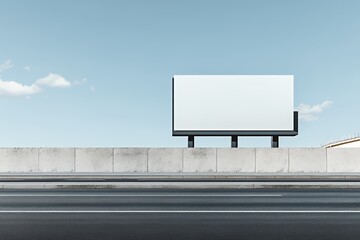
[[11, 88], [92, 88], [6, 65], [53, 80], [309, 113], [27, 68]]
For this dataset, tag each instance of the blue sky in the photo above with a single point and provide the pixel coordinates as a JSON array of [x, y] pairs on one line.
[[98, 73]]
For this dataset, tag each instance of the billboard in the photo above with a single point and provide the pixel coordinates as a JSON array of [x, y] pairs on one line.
[[225, 105]]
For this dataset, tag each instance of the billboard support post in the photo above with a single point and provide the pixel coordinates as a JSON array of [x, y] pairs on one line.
[[275, 141], [191, 141], [234, 141]]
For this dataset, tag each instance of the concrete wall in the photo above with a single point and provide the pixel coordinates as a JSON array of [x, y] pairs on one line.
[[236, 160], [307, 160], [272, 160], [56, 159], [179, 160], [199, 160], [165, 160], [19, 160], [343, 159]]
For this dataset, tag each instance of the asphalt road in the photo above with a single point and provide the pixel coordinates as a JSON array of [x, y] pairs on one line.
[[236, 214]]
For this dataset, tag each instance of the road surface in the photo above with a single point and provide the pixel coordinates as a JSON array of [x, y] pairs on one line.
[[196, 214]]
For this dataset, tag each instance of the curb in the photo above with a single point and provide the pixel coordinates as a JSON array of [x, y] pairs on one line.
[[182, 177], [179, 185]]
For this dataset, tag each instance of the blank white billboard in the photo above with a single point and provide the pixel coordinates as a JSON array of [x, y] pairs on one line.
[[233, 103]]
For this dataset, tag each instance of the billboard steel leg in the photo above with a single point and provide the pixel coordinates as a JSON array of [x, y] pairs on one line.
[[234, 141], [275, 141], [191, 141]]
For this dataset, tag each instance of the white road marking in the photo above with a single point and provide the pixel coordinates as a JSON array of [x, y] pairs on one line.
[[140, 195], [179, 211]]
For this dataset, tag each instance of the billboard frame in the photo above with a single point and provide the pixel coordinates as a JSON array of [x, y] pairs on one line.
[[233, 133]]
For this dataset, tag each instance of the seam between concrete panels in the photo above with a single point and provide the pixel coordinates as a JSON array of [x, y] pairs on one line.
[[147, 160], [326, 160], [113, 159], [255, 158], [38, 159], [216, 156], [288, 152], [74, 159], [182, 159]]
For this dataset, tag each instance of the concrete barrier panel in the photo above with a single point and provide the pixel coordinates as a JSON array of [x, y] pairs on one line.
[[272, 160], [94, 160], [56, 159], [343, 160], [307, 160], [165, 160], [130, 159], [199, 159], [18, 159], [236, 160]]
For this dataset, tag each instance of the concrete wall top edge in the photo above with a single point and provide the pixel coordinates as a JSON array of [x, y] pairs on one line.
[[19, 148], [170, 148]]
